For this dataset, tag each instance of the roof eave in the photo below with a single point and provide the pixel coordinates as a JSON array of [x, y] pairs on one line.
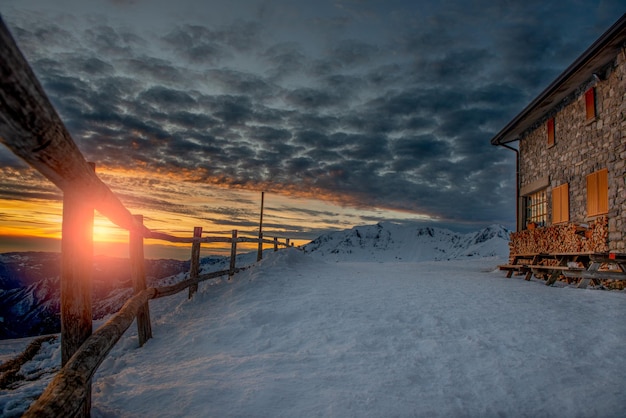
[[599, 54]]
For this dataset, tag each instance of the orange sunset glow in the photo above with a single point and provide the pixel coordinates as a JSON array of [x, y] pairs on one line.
[[343, 113], [175, 203]]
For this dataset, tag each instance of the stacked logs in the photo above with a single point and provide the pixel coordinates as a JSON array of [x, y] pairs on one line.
[[562, 238]]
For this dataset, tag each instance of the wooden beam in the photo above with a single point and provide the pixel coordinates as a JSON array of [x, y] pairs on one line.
[[31, 128], [63, 396], [233, 255], [76, 279], [195, 260], [259, 255], [138, 276]]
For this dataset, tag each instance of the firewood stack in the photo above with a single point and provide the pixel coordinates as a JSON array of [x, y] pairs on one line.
[[562, 238]]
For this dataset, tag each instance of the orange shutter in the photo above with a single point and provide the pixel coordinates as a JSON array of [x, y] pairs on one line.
[[590, 103], [550, 126], [565, 203], [598, 193], [592, 194], [560, 204], [556, 205], [603, 191]]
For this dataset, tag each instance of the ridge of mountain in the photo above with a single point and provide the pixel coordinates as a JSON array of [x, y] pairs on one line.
[[30, 291], [386, 241]]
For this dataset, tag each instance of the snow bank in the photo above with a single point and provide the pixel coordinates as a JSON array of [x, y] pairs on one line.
[[300, 337]]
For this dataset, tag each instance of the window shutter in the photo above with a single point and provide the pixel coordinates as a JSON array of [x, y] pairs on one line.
[[560, 204], [590, 103], [598, 193], [556, 205], [550, 126], [592, 194], [565, 203], [603, 191]]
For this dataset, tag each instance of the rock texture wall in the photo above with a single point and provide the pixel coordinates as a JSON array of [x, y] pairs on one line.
[[582, 147]]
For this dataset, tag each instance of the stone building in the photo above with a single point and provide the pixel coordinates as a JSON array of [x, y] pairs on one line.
[[571, 149]]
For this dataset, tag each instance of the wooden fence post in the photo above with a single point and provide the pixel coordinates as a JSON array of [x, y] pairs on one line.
[[275, 244], [194, 270], [259, 254], [138, 275], [76, 278], [233, 254]]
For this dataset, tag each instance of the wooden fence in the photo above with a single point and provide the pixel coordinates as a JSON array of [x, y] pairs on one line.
[[31, 129]]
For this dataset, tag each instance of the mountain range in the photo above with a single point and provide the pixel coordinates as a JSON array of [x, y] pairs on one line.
[[29, 281], [387, 242]]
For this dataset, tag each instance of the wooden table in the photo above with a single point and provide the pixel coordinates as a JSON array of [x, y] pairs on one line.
[[598, 268]]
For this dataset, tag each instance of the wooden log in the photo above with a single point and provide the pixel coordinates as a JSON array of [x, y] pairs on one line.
[[173, 289], [195, 260], [233, 255], [138, 276], [63, 397]]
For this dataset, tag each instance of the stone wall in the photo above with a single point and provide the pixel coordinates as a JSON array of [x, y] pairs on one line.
[[582, 147]]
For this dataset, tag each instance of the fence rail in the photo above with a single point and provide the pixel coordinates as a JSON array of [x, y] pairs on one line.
[[31, 128]]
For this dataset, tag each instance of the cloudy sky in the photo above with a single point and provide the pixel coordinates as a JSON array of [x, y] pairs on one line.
[[344, 112]]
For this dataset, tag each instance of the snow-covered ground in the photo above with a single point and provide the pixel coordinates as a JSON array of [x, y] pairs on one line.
[[365, 324], [301, 336]]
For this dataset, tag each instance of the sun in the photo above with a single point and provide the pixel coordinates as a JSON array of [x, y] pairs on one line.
[[105, 231]]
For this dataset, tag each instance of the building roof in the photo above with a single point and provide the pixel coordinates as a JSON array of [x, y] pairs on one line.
[[599, 54]]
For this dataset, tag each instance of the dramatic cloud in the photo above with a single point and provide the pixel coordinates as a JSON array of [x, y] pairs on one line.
[[382, 107]]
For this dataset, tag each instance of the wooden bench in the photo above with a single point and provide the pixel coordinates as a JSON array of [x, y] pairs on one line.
[[592, 269]]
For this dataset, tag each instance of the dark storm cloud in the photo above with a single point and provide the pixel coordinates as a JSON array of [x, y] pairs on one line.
[[202, 44], [107, 41], [399, 120], [154, 68], [166, 98], [196, 44], [310, 98], [284, 59], [241, 83]]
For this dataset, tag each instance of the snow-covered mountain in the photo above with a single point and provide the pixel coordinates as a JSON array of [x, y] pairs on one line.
[[30, 291], [29, 282], [386, 242]]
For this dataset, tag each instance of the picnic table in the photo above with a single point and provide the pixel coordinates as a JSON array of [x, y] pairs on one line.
[[586, 266]]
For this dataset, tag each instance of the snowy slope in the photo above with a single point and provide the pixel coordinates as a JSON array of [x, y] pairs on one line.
[[402, 242], [302, 335]]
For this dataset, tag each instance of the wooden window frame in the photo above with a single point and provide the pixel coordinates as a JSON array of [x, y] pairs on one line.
[[598, 193], [551, 130], [537, 208], [560, 204], [590, 105]]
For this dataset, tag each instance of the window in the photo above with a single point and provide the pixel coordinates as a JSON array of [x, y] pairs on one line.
[[598, 193], [550, 127], [560, 204], [537, 208], [590, 104]]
